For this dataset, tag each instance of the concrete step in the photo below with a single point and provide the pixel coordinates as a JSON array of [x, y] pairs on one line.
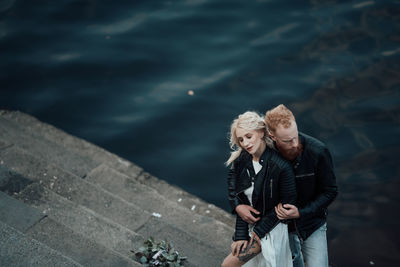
[[182, 197], [81, 220], [73, 188], [50, 151], [16, 249], [85, 251], [12, 183], [202, 227], [73, 154], [112, 207], [58, 237], [22, 128], [19, 216], [78, 218]]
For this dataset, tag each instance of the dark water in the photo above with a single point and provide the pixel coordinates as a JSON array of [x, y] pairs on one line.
[[118, 73]]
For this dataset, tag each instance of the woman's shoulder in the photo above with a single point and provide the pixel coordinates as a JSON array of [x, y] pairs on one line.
[[244, 155], [278, 160], [242, 158]]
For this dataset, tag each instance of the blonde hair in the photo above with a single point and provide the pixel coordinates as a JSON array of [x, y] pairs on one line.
[[278, 115], [249, 120]]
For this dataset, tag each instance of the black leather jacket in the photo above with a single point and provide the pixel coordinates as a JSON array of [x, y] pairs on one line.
[[316, 185], [275, 183]]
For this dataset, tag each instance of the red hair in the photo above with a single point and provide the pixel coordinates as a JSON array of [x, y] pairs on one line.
[[279, 115]]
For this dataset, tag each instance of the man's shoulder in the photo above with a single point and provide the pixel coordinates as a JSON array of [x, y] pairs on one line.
[[312, 144], [278, 159]]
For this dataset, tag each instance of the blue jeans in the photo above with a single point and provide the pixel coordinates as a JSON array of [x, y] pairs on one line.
[[313, 252]]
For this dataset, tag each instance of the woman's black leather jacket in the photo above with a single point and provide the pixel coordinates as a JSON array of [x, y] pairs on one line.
[[275, 183]]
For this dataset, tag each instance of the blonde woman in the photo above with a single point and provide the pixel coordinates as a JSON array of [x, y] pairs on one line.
[[259, 177]]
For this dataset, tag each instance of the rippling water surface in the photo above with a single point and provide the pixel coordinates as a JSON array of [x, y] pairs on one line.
[[118, 73]]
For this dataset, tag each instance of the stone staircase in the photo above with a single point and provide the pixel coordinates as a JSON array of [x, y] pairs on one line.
[[66, 202]]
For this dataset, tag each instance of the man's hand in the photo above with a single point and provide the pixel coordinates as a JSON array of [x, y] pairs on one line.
[[287, 211], [244, 212]]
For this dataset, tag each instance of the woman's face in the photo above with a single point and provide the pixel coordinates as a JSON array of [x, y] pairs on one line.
[[250, 140]]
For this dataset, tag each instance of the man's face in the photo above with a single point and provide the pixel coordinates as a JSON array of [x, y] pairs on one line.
[[287, 140]]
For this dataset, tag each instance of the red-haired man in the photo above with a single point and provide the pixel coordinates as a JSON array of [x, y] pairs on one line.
[[315, 185]]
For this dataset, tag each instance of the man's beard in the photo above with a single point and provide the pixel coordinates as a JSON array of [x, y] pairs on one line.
[[291, 154]]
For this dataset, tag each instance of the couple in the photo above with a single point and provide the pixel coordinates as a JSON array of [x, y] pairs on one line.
[[280, 184]]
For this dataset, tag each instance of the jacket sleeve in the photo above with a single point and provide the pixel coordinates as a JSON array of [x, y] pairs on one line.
[[241, 229], [326, 183], [288, 195], [233, 198]]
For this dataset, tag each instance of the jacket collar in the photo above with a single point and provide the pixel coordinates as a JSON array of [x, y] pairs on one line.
[[263, 158]]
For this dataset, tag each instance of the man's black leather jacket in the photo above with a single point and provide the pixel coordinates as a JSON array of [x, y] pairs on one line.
[[275, 183], [316, 185]]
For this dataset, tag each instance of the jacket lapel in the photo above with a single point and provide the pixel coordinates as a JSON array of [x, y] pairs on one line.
[[260, 177]]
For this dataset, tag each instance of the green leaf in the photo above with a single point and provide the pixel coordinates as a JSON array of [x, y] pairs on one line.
[[170, 257], [143, 259], [166, 255]]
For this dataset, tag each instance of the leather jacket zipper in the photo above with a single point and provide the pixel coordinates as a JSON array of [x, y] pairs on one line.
[[270, 185], [265, 204], [264, 197]]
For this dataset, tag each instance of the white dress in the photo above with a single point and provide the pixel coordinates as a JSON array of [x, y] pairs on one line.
[[275, 248]]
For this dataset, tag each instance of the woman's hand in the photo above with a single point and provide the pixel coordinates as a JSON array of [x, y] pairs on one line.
[[244, 211], [238, 246]]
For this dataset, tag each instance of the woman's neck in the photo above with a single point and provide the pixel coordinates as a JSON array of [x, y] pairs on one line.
[[259, 152]]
